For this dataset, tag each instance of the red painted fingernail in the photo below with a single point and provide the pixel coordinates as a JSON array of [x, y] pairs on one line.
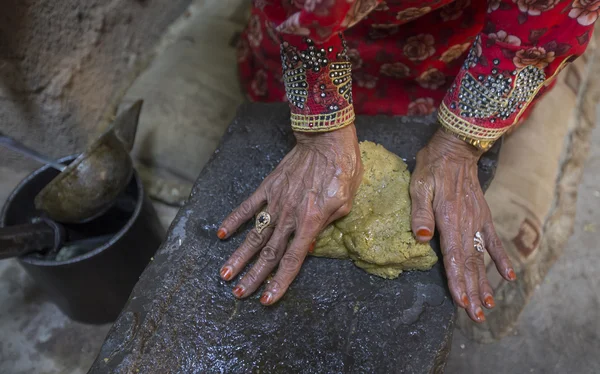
[[465, 299], [311, 249], [489, 301], [424, 232], [479, 314], [238, 291], [511, 275], [226, 272], [221, 234], [266, 298]]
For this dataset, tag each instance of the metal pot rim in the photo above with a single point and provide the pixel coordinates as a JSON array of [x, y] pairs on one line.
[[39, 262]]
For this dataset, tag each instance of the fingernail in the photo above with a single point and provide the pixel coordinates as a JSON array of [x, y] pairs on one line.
[[511, 275], [479, 314], [424, 232], [311, 249], [238, 291], [226, 272], [221, 234], [266, 298], [489, 301], [465, 299]]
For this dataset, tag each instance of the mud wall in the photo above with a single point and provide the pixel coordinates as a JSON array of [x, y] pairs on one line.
[[63, 62]]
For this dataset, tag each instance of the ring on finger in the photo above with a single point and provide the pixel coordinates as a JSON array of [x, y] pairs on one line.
[[478, 242], [263, 220]]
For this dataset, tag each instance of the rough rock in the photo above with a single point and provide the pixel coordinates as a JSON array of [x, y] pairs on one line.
[[335, 318]]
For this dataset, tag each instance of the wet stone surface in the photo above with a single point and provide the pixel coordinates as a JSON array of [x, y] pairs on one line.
[[335, 317]]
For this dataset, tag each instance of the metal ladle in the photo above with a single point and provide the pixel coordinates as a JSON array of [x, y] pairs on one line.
[[90, 184], [11, 143]]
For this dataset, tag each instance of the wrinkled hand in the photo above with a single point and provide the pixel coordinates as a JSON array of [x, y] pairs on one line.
[[310, 188], [445, 191]]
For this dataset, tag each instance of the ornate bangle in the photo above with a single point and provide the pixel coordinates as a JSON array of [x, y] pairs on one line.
[[480, 137], [323, 122], [483, 145]]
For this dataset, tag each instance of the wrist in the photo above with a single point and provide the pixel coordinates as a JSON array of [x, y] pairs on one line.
[[447, 143], [343, 137]]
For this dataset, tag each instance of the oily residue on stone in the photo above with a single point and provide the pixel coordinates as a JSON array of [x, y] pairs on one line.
[[376, 234]]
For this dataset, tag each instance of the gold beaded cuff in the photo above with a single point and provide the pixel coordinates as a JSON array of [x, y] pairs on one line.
[[323, 122], [480, 137]]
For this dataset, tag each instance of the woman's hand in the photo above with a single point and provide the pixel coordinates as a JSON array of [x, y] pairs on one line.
[[310, 188], [445, 191]]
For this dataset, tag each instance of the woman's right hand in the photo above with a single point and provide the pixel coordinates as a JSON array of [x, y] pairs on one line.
[[311, 187]]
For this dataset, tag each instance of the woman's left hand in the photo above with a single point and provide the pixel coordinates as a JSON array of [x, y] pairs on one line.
[[445, 192]]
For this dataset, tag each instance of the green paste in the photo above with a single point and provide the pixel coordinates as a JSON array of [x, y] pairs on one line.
[[377, 235]]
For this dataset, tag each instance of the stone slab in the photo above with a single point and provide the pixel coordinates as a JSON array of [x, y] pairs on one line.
[[335, 317]]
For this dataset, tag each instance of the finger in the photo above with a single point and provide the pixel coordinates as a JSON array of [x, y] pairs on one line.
[[242, 213], [342, 212], [451, 251], [472, 280], [486, 293], [470, 212], [496, 250], [268, 259], [423, 219], [250, 247], [289, 267], [448, 216], [292, 260]]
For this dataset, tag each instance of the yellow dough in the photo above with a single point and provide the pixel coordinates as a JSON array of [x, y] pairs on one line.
[[376, 234]]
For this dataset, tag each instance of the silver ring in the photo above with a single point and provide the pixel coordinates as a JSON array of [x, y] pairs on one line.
[[478, 242], [263, 219]]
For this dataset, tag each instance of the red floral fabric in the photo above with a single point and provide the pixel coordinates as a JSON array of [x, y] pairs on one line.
[[411, 57]]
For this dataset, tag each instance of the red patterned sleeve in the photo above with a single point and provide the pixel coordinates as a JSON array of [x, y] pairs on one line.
[[316, 70], [523, 46]]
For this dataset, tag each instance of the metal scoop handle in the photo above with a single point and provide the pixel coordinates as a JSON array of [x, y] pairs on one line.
[[11, 143]]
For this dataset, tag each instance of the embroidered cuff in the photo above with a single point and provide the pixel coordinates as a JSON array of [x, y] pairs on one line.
[[318, 83], [495, 86]]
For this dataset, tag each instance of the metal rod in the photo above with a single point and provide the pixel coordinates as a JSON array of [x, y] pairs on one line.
[[11, 143]]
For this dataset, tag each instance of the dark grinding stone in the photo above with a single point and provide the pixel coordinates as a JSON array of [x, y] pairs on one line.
[[335, 317]]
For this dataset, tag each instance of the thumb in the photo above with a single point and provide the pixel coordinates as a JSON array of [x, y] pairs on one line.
[[423, 219]]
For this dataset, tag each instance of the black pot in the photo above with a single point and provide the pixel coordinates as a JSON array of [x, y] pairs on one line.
[[93, 287]]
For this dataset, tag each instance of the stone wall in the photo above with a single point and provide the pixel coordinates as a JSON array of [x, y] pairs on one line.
[[63, 63]]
